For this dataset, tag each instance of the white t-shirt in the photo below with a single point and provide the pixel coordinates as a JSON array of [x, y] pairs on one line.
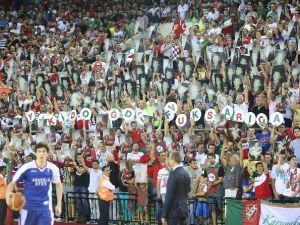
[[168, 53], [134, 156], [279, 177], [166, 11], [213, 16], [163, 175], [201, 158], [182, 10], [291, 184], [241, 108], [94, 179], [196, 44], [216, 30]]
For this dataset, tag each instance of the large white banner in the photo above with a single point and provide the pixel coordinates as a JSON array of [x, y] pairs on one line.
[[279, 214]]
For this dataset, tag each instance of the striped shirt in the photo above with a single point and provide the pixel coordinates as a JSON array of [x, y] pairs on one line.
[[3, 42]]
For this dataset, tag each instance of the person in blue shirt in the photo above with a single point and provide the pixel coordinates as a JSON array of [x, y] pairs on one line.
[[37, 177], [264, 137]]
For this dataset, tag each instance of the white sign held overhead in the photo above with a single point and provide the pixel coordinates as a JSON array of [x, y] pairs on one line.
[[62, 117], [73, 115], [171, 106], [86, 113], [114, 114], [209, 115], [276, 119], [128, 114], [169, 115], [195, 114], [250, 119], [51, 121], [228, 112], [181, 120], [261, 120], [30, 115]]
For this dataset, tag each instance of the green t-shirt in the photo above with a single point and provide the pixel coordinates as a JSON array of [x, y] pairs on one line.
[[262, 12], [95, 24]]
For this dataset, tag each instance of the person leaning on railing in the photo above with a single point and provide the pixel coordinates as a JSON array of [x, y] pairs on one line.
[[106, 194]]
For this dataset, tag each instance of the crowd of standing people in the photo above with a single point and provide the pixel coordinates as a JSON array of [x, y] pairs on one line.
[[92, 80]]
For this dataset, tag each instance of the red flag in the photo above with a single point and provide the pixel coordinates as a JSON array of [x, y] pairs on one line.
[[251, 212]]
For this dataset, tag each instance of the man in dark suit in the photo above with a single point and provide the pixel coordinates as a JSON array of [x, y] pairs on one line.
[[175, 208]]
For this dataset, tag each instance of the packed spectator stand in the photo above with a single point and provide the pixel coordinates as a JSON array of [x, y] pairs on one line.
[[126, 82]]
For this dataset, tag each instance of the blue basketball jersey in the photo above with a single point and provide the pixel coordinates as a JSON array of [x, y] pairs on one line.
[[37, 184]]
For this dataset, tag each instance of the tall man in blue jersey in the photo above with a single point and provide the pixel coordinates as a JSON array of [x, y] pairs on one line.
[[38, 177]]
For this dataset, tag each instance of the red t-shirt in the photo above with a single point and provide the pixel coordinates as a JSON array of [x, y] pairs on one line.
[[79, 124], [145, 159], [109, 140], [290, 133], [262, 186], [89, 156], [179, 27], [158, 166], [135, 135]]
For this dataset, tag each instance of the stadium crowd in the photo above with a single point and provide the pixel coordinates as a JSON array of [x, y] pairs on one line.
[[63, 60]]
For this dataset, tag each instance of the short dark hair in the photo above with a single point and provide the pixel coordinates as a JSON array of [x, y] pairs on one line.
[[211, 154], [258, 163], [2, 168], [79, 154], [176, 157], [96, 161], [42, 145], [192, 160], [104, 167], [282, 152], [290, 157]]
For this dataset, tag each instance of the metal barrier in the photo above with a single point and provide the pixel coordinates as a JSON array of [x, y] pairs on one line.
[[124, 209]]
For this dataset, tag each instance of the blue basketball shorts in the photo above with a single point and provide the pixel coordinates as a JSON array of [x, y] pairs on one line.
[[36, 217]]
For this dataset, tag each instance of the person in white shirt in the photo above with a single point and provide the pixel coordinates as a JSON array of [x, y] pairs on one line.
[[241, 105], [292, 174], [162, 180], [201, 156], [62, 25], [196, 40], [215, 29], [105, 192], [165, 12], [135, 155], [102, 154], [213, 15], [166, 48], [278, 176], [183, 9], [95, 174]]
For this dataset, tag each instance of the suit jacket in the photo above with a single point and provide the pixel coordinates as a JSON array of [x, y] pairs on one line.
[[178, 187]]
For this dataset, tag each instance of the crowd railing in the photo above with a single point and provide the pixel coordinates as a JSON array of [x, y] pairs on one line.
[[124, 209]]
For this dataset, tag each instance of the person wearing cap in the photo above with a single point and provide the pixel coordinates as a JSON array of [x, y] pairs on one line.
[[106, 194]]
